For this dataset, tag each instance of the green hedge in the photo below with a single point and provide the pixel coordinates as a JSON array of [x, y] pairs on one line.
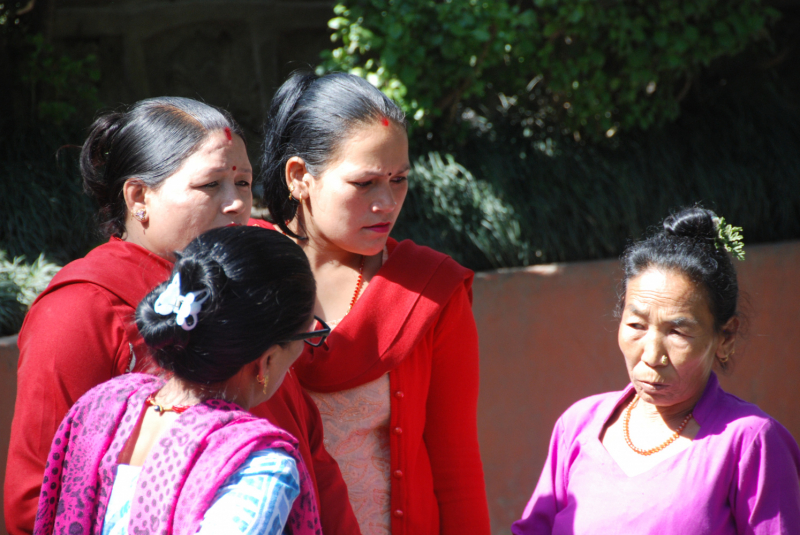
[[733, 150]]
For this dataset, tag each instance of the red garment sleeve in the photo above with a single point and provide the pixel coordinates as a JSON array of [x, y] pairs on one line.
[[60, 359], [451, 429], [292, 409]]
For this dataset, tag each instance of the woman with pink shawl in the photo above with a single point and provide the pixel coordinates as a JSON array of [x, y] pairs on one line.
[[181, 454]]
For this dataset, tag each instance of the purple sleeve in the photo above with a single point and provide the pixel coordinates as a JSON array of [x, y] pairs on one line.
[[767, 500], [550, 495]]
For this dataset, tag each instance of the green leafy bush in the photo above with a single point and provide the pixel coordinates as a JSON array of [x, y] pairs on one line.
[[20, 283], [580, 67], [59, 85], [446, 204], [733, 150]]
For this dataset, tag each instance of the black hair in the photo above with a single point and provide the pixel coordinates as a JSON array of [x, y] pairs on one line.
[[148, 142], [260, 292], [687, 243], [311, 117]]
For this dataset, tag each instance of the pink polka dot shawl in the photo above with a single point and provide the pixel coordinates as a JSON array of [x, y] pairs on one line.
[[181, 475]]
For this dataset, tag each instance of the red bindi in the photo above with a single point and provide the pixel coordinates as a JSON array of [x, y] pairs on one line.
[[384, 121], [228, 133], [234, 168]]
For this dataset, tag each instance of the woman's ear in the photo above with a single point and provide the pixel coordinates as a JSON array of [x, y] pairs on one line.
[[135, 194], [728, 345], [297, 178]]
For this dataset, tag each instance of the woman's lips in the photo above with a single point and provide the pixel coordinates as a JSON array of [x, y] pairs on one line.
[[381, 228], [652, 387]]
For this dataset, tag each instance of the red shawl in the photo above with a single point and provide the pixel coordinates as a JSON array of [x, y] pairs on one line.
[[103, 267], [396, 310]]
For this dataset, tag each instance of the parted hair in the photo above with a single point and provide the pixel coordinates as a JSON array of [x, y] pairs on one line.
[[687, 244], [311, 117], [148, 142], [260, 292]]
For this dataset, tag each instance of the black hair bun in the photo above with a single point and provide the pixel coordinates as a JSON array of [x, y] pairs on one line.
[[162, 332], [697, 223]]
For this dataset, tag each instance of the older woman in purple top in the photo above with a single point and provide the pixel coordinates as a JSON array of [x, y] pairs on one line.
[[672, 453]]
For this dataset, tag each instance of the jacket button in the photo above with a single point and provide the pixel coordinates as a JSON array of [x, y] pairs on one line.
[[398, 513], [397, 430], [398, 474], [399, 394]]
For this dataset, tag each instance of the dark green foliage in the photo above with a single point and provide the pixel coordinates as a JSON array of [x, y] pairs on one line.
[[48, 100], [43, 208], [59, 85], [734, 149], [586, 68]]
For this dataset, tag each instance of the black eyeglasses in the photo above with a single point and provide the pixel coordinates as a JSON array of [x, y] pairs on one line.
[[313, 338]]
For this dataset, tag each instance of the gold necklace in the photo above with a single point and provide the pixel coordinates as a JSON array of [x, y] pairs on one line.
[[626, 422]]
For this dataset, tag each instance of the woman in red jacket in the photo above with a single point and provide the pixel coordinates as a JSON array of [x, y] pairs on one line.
[[397, 383], [162, 173]]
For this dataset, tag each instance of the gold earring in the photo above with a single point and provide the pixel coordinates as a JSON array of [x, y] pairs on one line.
[[263, 381], [291, 190], [664, 360], [140, 214], [723, 360]]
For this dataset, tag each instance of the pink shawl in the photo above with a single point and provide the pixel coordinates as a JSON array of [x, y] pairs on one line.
[[181, 475]]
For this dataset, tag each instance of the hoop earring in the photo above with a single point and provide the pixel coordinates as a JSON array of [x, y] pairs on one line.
[[263, 381], [291, 190]]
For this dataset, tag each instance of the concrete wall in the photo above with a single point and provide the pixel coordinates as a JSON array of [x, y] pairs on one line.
[[548, 338]]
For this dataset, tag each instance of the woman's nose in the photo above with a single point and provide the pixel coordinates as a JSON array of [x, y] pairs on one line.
[[384, 200], [653, 350], [234, 202]]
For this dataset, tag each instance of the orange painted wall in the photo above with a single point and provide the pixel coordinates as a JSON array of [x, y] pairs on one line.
[[548, 338]]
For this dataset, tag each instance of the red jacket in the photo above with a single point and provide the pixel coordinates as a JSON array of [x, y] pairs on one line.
[[415, 322], [80, 333]]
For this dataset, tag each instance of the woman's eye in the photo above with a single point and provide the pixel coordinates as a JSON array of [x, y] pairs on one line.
[[243, 183], [213, 184], [399, 179], [363, 184], [637, 326]]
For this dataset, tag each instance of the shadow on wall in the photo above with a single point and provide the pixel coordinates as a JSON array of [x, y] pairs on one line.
[[8, 393], [548, 338]]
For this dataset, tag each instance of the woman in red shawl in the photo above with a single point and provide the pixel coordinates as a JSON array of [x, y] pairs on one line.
[[162, 172], [397, 382]]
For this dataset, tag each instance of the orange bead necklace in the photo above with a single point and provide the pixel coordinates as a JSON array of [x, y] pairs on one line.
[[626, 422], [358, 286]]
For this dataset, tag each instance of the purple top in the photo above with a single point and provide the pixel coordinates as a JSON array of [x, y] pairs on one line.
[[741, 475]]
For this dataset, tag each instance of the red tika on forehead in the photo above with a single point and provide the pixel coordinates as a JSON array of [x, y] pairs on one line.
[[228, 133], [234, 168], [384, 121]]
